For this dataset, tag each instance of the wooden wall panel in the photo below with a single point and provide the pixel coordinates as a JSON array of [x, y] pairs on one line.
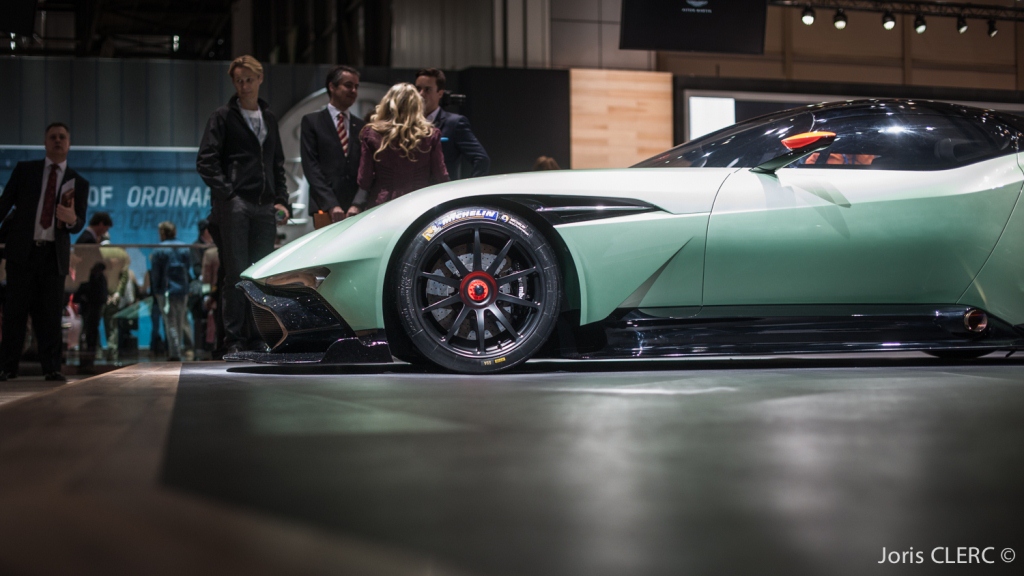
[[618, 117]]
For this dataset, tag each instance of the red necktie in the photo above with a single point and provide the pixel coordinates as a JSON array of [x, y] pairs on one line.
[[46, 218], [343, 133]]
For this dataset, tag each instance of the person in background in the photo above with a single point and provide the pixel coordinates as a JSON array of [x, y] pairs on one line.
[[49, 201], [213, 276], [170, 273], [330, 147], [122, 293], [91, 296], [157, 344], [196, 291], [241, 160], [90, 302], [401, 150], [216, 281], [99, 225], [457, 138], [545, 163]]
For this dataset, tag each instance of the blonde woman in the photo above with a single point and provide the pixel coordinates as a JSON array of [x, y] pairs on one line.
[[401, 150]]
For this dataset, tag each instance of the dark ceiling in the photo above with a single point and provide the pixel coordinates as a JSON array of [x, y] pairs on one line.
[[188, 29], [295, 31]]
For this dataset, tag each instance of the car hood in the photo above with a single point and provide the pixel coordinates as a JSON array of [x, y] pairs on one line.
[[375, 232], [674, 190]]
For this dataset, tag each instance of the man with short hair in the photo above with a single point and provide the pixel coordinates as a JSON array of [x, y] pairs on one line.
[[169, 273], [241, 160], [49, 201], [457, 139], [330, 147], [99, 224]]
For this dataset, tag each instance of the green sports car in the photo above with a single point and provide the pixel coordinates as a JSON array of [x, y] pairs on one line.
[[852, 226]]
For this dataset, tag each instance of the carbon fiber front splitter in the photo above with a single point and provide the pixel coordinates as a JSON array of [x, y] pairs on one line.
[[302, 328], [367, 349]]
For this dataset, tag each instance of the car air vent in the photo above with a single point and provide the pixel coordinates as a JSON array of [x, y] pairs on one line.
[[569, 209], [267, 325]]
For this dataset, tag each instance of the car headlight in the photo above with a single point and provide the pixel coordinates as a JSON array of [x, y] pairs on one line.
[[307, 277]]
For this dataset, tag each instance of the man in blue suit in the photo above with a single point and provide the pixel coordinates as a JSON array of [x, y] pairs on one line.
[[49, 201], [457, 139]]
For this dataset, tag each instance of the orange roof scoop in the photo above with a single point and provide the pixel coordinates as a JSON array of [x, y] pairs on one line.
[[798, 141], [798, 146]]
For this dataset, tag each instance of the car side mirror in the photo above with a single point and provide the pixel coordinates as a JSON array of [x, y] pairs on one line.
[[800, 145]]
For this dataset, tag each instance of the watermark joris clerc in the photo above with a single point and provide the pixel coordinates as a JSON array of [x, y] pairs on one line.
[[949, 555]]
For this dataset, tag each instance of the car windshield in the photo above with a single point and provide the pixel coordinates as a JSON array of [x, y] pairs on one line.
[[745, 144], [875, 135]]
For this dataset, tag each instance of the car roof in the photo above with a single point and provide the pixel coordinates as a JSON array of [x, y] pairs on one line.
[[902, 106]]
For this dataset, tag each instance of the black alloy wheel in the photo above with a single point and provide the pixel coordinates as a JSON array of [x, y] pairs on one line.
[[478, 290]]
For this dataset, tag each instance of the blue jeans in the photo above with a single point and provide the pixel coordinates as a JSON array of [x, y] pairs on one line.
[[176, 322]]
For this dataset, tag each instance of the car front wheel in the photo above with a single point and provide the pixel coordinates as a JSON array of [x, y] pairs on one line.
[[478, 290]]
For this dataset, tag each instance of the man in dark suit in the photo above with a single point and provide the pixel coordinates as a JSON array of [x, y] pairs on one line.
[[49, 201], [457, 139], [99, 225], [330, 147]]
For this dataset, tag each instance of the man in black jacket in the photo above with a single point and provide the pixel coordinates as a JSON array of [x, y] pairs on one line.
[[457, 139], [241, 160], [49, 201], [330, 147]]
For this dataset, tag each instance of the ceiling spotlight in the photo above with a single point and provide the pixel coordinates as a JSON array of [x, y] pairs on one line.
[[992, 31], [919, 24], [840, 19], [888, 20], [808, 16], [961, 24]]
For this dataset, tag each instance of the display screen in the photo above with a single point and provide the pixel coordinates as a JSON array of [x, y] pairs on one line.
[[735, 26]]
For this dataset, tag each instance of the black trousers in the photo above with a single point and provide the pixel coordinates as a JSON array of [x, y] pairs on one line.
[[34, 289], [247, 234]]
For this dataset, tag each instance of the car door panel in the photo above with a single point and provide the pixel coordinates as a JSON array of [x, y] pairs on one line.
[[999, 287], [826, 235]]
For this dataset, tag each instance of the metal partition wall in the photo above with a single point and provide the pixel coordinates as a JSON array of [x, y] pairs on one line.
[[162, 103]]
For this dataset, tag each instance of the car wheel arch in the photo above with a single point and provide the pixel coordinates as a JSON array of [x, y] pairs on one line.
[[401, 345]]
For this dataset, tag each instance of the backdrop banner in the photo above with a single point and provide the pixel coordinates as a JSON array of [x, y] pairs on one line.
[[138, 187]]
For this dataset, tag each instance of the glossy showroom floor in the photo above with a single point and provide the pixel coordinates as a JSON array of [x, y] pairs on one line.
[[765, 466]]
